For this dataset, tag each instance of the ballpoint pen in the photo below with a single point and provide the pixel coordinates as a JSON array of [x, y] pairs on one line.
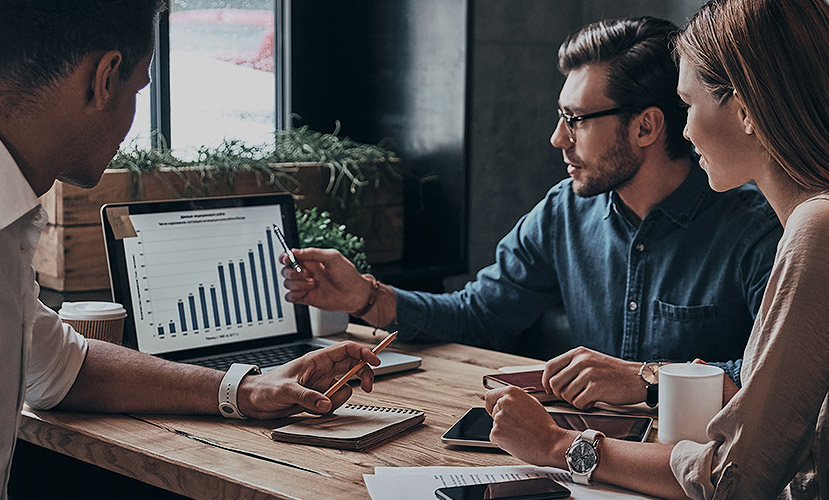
[[288, 251]]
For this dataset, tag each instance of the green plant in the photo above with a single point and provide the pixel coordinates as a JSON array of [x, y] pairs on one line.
[[316, 229], [352, 165]]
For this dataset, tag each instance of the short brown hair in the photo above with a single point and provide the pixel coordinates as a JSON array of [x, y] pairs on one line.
[[775, 55], [642, 71]]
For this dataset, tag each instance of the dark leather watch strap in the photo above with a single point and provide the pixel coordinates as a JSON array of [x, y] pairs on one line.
[[652, 397]]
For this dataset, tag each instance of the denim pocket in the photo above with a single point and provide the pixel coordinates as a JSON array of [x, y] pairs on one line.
[[682, 333], [684, 313]]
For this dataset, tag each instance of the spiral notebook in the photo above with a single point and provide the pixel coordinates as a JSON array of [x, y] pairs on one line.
[[350, 427]]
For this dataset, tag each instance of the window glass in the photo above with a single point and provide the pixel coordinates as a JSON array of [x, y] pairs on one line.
[[222, 82], [139, 134], [221, 72]]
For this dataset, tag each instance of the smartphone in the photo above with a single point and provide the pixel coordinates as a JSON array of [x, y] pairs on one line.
[[473, 428], [539, 488]]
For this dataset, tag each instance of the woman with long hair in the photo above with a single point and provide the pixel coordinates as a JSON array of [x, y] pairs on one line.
[[755, 75]]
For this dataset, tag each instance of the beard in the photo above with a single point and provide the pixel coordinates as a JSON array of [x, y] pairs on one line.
[[614, 169]]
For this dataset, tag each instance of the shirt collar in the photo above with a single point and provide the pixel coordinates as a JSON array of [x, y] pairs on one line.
[[608, 205], [17, 197], [682, 205]]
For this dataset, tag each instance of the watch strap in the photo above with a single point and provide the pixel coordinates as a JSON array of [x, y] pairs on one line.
[[652, 397], [228, 406], [652, 389], [590, 436]]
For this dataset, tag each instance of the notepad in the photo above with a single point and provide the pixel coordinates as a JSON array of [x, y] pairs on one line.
[[350, 427]]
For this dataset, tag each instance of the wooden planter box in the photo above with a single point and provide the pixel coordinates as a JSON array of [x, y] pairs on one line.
[[71, 255]]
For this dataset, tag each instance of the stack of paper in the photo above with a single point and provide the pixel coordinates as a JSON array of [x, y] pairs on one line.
[[419, 483]]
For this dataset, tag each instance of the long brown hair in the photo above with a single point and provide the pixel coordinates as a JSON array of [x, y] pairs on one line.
[[775, 54]]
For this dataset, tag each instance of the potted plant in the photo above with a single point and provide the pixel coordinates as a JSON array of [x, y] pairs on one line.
[[359, 184], [316, 229]]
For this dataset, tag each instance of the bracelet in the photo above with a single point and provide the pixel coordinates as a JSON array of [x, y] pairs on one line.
[[372, 298]]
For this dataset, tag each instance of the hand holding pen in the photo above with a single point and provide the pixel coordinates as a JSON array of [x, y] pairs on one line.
[[345, 378], [291, 257]]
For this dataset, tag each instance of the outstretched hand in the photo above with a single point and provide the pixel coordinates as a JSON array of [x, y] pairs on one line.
[[328, 281], [583, 377], [299, 385]]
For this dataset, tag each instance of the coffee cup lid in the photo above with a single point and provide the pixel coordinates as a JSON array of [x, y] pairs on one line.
[[92, 310]]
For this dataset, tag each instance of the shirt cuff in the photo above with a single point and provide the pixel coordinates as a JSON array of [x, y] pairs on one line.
[[691, 464], [407, 314], [55, 366]]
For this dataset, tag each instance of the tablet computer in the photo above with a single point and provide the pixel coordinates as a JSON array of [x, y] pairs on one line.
[[474, 426]]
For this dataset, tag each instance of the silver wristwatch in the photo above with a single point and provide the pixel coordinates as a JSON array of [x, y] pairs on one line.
[[228, 406], [583, 456]]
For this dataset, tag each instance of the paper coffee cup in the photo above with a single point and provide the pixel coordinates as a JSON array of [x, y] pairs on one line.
[[689, 397], [95, 320]]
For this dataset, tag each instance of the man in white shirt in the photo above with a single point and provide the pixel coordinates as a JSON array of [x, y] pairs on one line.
[[69, 73]]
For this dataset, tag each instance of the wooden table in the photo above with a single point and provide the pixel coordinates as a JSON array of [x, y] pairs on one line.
[[147, 447]]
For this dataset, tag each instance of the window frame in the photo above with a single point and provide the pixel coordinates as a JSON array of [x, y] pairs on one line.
[[160, 123]]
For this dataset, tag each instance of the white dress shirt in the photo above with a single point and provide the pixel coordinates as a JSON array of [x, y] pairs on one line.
[[40, 357]]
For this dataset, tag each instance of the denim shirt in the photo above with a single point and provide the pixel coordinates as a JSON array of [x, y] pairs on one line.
[[686, 283]]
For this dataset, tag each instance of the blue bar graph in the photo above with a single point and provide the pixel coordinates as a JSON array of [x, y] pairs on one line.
[[277, 295], [255, 284], [265, 281], [253, 275], [235, 293], [216, 307], [193, 311], [224, 294], [181, 316], [245, 289], [203, 306]]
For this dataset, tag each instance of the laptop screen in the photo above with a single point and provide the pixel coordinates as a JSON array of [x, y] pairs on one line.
[[201, 277]]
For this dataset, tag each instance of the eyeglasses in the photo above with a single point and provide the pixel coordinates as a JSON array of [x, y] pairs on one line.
[[571, 120]]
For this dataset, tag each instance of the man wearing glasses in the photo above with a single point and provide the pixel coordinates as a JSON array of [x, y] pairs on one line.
[[649, 263]]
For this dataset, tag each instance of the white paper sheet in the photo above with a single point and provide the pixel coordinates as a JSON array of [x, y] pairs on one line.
[[420, 483]]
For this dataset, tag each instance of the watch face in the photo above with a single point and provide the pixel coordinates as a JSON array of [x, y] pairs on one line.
[[581, 457], [650, 373]]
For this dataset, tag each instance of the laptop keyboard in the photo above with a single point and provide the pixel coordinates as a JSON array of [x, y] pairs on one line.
[[271, 356]]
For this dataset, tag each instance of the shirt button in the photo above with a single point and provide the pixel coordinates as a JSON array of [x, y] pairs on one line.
[[633, 305], [640, 247]]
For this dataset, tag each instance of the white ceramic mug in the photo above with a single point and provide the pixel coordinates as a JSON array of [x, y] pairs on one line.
[[689, 397]]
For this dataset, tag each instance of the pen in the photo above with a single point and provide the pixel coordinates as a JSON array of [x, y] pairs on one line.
[[288, 251], [379, 347]]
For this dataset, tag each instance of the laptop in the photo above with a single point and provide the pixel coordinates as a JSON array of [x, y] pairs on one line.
[[200, 280]]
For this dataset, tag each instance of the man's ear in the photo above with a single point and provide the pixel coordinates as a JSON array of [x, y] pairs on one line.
[[748, 123], [649, 126], [106, 77]]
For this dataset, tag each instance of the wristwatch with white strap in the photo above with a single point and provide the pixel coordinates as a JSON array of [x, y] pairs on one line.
[[228, 406], [583, 456]]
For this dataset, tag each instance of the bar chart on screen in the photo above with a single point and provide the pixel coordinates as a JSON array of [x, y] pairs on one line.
[[206, 277]]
